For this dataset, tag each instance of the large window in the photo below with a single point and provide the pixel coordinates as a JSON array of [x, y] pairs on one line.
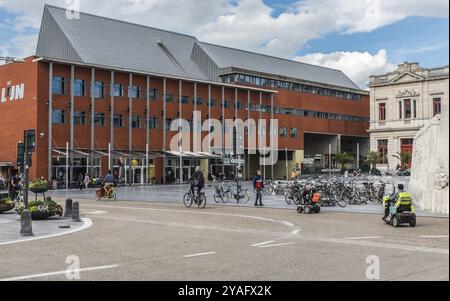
[[283, 132], [135, 92], [58, 116], [154, 94], [169, 98], [383, 151], [79, 88], [212, 102], [153, 123], [136, 122], [59, 85], [99, 119], [79, 118], [436, 106], [198, 101], [382, 111], [118, 121], [118, 90], [99, 90], [408, 109], [294, 133], [184, 99]]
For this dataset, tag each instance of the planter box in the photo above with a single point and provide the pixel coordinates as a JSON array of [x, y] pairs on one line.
[[6, 208], [37, 215], [38, 190]]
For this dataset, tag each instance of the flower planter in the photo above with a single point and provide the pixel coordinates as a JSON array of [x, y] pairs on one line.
[[39, 215], [39, 190], [4, 207]]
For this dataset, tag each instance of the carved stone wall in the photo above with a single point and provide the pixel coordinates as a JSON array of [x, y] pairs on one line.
[[430, 166]]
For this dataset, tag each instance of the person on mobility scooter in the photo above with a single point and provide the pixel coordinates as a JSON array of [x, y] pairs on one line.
[[399, 208], [309, 202]]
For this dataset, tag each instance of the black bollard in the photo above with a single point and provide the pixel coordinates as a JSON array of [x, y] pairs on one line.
[[25, 223], [68, 208], [76, 212]]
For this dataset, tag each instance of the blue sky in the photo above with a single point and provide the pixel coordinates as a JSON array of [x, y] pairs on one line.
[[332, 33]]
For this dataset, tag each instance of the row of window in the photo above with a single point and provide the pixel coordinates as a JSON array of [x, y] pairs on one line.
[[79, 118], [382, 146], [261, 81], [407, 109], [98, 89]]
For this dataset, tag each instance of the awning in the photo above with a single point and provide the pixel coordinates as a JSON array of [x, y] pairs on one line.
[[197, 155], [80, 154], [6, 164]]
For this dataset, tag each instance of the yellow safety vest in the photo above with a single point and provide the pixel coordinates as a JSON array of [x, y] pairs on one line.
[[404, 198]]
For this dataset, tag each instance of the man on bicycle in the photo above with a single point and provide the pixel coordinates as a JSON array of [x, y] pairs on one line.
[[198, 180], [16, 183], [108, 182]]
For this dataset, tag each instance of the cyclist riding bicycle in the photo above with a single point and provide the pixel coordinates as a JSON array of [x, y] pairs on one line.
[[108, 183], [198, 180]]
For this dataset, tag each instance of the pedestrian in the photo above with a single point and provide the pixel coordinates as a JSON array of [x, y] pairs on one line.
[[87, 180], [80, 180], [258, 185], [239, 178]]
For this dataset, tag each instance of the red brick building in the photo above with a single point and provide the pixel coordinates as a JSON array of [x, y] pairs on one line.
[[97, 91]]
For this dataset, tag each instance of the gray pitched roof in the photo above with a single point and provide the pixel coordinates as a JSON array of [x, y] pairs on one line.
[[106, 42], [117, 44], [228, 57]]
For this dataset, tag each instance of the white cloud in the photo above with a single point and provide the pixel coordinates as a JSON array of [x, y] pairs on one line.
[[356, 65], [246, 24]]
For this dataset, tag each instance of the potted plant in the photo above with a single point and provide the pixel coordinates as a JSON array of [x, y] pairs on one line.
[[343, 159], [372, 158], [40, 210], [38, 186], [405, 158], [6, 205]]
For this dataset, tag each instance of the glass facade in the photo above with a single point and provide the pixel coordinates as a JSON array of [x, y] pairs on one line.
[[279, 84]]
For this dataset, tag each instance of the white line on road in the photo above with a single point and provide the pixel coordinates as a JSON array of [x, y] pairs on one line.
[[277, 245], [61, 273], [199, 254], [263, 243], [295, 232], [87, 224], [362, 238], [96, 212], [434, 236]]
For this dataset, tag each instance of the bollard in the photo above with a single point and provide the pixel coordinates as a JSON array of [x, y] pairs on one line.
[[68, 208], [25, 223], [76, 212]]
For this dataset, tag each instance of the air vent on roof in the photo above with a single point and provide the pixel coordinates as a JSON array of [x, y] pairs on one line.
[[160, 42]]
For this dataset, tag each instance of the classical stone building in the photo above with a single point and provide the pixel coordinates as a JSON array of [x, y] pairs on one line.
[[401, 103]]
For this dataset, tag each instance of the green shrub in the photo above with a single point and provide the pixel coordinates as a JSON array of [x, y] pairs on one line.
[[38, 184]]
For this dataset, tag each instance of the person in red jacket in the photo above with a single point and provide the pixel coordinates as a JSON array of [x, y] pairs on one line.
[[258, 184]]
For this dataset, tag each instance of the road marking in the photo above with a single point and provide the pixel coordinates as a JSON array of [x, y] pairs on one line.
[[277, 245], [87, 224], [197, 212], [362, 238], [6, 221], [199, 254], [263, 243], [434, 236], [381, 245], [60, 273], [295, 232], [96, 212]]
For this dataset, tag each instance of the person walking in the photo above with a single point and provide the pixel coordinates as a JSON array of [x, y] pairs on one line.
[[87, 181], [258, 185], [80, 180]]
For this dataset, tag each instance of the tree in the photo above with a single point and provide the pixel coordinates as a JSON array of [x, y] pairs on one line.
[[373, 157], [404, 157], [343, 159]]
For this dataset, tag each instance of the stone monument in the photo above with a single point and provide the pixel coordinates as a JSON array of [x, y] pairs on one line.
[[430, 165]]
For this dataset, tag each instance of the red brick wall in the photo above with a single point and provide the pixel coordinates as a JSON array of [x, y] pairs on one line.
[[26, 114]]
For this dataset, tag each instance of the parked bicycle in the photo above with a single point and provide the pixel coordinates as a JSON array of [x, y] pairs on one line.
[[242, 196]]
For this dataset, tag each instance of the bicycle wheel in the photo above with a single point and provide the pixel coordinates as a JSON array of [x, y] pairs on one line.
[[341, 201], [201, 201], [113, 195], [217, 197], [227, 195], [187, 200], [288, 197], [246, 197]]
